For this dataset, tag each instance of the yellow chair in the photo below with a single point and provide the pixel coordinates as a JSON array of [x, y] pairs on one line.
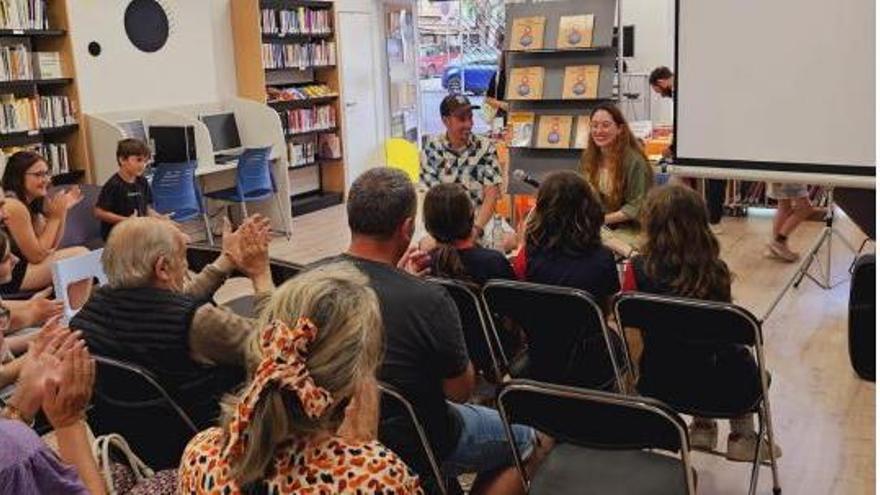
[[404, 155]]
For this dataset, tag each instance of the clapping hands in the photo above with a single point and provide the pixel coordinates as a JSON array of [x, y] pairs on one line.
[[58, 205], [248, 246]]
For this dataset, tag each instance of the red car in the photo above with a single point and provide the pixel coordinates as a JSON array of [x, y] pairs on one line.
[[433, 60]]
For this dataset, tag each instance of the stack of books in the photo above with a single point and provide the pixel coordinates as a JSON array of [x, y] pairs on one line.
[[18, 114], [308, 119], [47, 65], [301, 153], [54, 153], [55, 111], [300, 93]]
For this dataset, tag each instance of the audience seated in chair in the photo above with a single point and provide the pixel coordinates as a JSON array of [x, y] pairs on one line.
[[307, 420], [35, 222], [449, 218], [563, 245], [681, 257], [425, 356], [151, 315]]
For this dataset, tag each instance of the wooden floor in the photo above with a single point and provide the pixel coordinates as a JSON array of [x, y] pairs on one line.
[[824, 415]]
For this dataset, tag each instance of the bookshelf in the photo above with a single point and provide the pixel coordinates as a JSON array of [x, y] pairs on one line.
[[286, 57], [54, 116]]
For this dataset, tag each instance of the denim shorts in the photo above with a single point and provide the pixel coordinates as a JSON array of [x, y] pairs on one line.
[[483, 444]]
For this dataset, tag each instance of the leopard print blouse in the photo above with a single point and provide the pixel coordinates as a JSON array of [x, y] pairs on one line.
[[329, 466]]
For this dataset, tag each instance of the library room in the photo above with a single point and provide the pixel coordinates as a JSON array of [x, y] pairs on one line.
[[440, 247]]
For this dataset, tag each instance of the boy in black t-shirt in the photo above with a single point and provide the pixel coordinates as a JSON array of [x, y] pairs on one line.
[[127, 193]]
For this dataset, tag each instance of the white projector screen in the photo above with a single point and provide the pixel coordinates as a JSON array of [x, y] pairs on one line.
[[776, 87]]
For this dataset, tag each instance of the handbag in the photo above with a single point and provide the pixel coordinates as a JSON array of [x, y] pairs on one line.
[[101, 449]]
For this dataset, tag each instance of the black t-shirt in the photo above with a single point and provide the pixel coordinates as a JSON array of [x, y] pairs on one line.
[[424, 345], [485, 264], [124, 198], [593, 271]]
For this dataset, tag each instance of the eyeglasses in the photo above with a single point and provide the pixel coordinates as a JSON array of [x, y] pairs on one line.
[[40, 175], [604, 126]]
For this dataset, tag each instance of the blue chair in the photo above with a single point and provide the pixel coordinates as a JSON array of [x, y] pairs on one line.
[[253, 182], [176, 193]]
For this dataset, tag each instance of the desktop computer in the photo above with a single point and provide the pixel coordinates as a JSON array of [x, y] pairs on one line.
[[225, 139], [173, 144]]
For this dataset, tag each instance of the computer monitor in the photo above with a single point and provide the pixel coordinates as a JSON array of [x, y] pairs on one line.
[[223, 130], [173, 144], [134, 129]]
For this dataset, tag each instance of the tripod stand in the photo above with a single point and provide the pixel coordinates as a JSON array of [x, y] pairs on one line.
[[814, 255]]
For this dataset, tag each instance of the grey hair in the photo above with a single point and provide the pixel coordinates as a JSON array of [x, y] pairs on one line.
[[379, 201], [134, 246]]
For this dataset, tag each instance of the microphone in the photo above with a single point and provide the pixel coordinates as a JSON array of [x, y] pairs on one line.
[[521, 175]]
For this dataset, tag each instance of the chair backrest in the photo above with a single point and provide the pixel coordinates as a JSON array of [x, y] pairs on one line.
[[254, 179], [175, 190], [567, 340], [198, 257], [282, 271], [390, 393], [483, 345], [129, 400], [82, 227], [68, 271], [593, 419]]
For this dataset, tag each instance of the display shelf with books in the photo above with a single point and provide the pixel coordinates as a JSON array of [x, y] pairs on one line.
[[561, 62], [403, 69], [39, 98], [286, 57]]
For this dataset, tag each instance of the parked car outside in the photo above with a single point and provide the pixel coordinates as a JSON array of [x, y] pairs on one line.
[[470, 76]]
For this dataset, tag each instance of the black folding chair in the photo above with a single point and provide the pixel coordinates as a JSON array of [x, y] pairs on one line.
[[129, 400], [566, 337], [684, 326], [484, 346], [198, 257], [390, 393], [601, 441]]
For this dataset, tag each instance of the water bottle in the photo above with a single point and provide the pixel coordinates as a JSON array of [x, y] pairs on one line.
[[497, 233]]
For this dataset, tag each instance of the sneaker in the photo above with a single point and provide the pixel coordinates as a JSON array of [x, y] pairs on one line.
[[741, 448], [781, 251], [704, 436], [716, 228]]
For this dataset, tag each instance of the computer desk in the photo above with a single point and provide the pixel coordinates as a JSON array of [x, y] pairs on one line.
[[215, 168]]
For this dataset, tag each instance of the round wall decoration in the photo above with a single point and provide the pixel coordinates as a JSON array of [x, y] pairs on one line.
[[147, 25]]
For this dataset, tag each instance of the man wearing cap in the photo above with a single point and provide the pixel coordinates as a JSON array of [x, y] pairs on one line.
[[461, 157]]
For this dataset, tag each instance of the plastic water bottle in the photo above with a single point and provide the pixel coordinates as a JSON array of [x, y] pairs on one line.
[[497, 233]]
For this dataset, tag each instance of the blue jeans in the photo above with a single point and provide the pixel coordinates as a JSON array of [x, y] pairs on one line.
[[483, 444]]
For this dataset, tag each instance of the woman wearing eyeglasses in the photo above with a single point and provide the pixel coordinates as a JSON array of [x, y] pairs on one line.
[[617, 168], [35, 223]]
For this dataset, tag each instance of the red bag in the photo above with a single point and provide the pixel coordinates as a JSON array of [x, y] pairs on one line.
[[629, 277]]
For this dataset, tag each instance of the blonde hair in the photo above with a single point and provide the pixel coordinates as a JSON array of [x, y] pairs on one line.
[[134, 246], [348, 346]]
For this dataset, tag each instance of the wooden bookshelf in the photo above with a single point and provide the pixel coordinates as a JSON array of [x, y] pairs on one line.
[[54, 39], [253, 79]]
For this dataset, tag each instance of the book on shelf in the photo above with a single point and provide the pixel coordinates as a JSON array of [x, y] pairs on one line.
[[580, 82], [554, 131], [298, 55], [525, 83], [47, 65], [301, 120], [24, 14], [15, 63], [55, 155], [582, 132], [301, 153], [527, 33], [299, 93], [329, 146], [575, 31], [522, 126], [301, 20], [34, 113]]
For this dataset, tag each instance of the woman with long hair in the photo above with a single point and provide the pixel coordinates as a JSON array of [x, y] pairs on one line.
[[449, 218], [681, 257], [616, 165], [563, 244], [35, 222], [308, 418]]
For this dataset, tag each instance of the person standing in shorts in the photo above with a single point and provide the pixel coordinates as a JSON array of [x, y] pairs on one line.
[[793, 207]]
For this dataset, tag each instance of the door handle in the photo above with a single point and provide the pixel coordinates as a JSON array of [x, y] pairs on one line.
[[350, 104]]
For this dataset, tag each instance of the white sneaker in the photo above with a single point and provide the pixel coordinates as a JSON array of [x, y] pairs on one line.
[[781, 251], [741, 447], [703, 436]]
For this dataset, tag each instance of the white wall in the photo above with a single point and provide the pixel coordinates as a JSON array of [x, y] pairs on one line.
[[196, 65], [655, 44]]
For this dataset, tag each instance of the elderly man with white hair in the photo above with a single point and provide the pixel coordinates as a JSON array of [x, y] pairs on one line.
[[151, 313]]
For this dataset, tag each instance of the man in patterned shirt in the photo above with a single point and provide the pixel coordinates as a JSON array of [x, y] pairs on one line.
[[459, 156]]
